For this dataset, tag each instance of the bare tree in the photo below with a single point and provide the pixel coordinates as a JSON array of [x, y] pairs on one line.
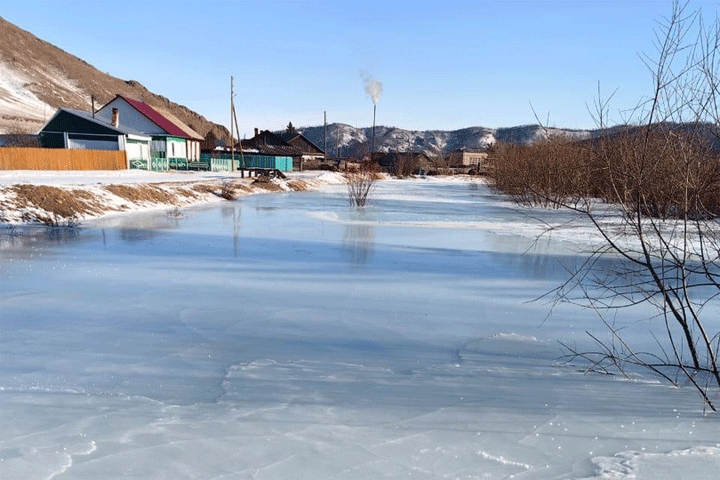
[[660, 174], [663, 174], [440, 161]]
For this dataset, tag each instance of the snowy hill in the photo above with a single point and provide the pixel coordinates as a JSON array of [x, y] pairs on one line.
[[345, 140], [37, 77]]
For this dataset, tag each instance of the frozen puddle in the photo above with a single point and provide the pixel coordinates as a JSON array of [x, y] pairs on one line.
[[288, 336]]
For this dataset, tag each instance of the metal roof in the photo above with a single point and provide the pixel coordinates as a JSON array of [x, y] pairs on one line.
[[156, 117], [121, 129], [178, 123]]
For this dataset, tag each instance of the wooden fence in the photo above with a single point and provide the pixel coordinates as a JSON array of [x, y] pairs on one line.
[[61, 159]]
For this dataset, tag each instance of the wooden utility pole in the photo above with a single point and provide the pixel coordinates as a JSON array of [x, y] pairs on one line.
[[325, 135], [232, 134], [233, 123]]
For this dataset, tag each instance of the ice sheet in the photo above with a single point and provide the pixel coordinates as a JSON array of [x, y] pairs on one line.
[[290, 336]]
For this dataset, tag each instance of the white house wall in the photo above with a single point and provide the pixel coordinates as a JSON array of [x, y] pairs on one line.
[[129, 117], [176, 149], [194, 149], [137, 150]]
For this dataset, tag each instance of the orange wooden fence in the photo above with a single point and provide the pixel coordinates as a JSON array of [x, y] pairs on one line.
[[61, 159]]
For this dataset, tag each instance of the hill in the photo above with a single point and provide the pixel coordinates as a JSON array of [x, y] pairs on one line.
[[37, 77]]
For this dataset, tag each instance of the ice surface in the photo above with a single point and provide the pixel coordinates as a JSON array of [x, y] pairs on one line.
[[289, 336]]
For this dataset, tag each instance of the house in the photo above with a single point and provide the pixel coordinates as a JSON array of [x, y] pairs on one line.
[[173, 143], [77, 129], [266, 145], [466, 157], [403, 163], [310, 155], [265, 151]]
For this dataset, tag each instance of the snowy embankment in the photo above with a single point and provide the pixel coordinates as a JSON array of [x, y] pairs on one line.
[[67, 197]]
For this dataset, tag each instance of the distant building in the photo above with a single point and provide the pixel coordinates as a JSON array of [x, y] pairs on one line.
[[403, 163], [466, 158], [76, 129]]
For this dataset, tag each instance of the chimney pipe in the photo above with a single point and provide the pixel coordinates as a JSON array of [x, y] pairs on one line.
[[256, 131], [115, 117]]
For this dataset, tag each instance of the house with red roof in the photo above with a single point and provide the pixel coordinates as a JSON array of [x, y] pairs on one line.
[[174, 144]]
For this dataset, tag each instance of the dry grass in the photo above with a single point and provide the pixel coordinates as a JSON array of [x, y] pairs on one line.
[[56, 201], [205, 188], [66, 206], [142, 194], [297, 185], [266, 183]]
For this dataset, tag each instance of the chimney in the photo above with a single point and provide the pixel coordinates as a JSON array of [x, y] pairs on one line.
[[256, 131], [115, 117]]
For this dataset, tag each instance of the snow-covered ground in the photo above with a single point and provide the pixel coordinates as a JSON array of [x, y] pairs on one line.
[[30, 196], [288, 336]]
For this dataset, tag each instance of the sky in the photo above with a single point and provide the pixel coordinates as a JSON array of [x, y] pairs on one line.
[[442, 65]]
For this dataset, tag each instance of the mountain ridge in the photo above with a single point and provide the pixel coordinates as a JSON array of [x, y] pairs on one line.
[[344, 140]]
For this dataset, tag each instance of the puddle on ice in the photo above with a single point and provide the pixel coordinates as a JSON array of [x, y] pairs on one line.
[[290, 336]]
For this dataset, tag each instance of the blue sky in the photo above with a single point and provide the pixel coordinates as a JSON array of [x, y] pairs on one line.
[[443, 65]]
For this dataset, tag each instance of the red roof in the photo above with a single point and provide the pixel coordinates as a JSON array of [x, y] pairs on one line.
[[155, 117]]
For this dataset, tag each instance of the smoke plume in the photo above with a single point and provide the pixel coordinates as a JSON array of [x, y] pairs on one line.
[[372, 87]]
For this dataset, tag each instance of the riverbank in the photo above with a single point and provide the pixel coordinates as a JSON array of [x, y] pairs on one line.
[[59, 198]]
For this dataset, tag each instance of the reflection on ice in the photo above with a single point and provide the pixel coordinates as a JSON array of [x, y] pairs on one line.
[[289, 336], [358, 242]]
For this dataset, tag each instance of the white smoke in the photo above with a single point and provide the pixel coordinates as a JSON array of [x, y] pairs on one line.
[[373, 87]]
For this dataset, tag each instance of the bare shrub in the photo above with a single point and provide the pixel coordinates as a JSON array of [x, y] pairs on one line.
[[20, 135], [360, 184], [227, 191], [548, 173]]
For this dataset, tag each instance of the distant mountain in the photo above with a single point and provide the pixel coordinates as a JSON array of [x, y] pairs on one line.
[[344, 140], [37, 77]]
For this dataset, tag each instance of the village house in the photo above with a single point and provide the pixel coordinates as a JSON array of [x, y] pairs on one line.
[[310, 154], [402, 163], [77, 129], [174, 144], [466, 158], [266, 144]]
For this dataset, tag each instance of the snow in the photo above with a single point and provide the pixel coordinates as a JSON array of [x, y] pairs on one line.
[[288, 335], [16, 99], [103, 177]]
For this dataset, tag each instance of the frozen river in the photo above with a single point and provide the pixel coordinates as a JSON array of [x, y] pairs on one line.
[[288, 336]]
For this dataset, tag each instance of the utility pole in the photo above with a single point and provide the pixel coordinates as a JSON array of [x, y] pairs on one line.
[[372, 143], [232, 134], [233, 123], [325, 135]]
